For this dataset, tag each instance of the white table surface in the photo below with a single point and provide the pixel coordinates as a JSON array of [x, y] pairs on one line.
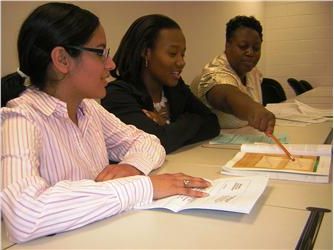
[[266, 227], [319, 97], [281, 210]]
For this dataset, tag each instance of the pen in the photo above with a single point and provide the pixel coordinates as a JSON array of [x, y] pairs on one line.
[[281, 146]]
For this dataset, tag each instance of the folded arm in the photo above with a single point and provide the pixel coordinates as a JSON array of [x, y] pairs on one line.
[[129, 145], [32, 208], [191, 125]]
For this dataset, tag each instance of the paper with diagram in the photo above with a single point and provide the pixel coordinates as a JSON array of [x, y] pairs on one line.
[[312, 162]]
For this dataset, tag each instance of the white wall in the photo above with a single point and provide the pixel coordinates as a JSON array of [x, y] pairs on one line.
[[203, 24], [298, 42], [288, 49]]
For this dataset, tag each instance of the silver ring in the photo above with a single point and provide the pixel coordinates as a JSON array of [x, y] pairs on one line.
[[186, 183]]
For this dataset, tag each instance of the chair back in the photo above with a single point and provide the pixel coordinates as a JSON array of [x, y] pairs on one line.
[[299, 87], [10, 88], [306, 85], [272, 91]]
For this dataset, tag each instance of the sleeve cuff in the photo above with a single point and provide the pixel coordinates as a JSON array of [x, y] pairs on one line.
[[133, 191]]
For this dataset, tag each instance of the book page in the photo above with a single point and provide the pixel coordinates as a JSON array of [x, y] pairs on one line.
[[232, 194], [294, 149], [279, 166], [174, 203], [258, 161], [237, 194]]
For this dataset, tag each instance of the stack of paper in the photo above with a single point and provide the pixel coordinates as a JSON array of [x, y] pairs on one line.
[[312, 162], [298, 113]]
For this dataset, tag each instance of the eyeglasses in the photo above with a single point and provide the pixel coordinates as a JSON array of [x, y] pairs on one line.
[[100, 52]]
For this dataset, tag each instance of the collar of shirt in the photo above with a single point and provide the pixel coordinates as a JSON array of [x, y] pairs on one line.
[[48, 104], [248, 74]]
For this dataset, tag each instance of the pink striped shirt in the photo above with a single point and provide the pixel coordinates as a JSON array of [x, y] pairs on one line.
[[49, 165]]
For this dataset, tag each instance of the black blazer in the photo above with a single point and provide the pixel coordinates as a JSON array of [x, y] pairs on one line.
[[190, 120]]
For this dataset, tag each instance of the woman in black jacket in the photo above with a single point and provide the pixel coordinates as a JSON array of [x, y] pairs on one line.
[[149, 92]]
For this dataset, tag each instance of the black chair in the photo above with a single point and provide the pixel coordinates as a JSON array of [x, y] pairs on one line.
[[306, 85], [272, 91], [10, 88], [296, 86], [299, 87]]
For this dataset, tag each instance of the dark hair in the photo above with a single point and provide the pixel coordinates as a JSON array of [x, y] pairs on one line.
[[242, 21], [141, 35], [49, 25]]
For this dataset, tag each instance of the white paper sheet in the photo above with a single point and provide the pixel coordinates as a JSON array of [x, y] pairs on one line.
[[238, 194]]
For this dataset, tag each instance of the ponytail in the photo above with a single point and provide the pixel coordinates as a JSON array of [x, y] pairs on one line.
[[12, 86]]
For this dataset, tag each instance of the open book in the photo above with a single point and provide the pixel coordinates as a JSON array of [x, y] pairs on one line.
[[237, 194], [312, 162]]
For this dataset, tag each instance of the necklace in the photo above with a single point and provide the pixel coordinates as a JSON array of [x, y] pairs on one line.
[[161, 107]]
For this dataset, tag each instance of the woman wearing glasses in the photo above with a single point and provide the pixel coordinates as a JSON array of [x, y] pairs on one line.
[[149, 91], [57, 140]]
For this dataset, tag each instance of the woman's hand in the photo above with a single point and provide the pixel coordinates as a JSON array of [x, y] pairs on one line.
[[114, 171], [165, 185], [155, 116], [262, 119]]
